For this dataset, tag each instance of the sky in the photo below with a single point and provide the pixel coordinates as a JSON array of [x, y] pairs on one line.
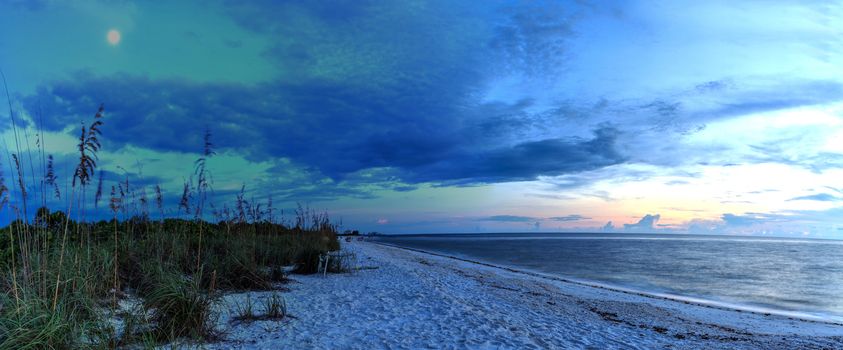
[[714, 117]]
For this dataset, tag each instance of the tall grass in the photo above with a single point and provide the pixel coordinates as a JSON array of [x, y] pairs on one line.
[[274, 308], [62, 274]]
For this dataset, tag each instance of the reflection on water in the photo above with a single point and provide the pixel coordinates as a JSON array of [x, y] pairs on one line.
[[784, 274]]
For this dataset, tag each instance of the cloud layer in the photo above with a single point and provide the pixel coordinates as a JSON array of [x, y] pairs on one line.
[[571, 102]]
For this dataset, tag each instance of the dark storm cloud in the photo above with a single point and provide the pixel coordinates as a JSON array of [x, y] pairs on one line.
[[416, 112], [689, 111], [332, 128], [526, 161], [404, 97], [371, 85], [533, 37], [337, 129], [405, 188], [775, 96]]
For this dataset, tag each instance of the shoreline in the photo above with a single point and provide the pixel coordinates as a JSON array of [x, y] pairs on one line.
[[405, 299], [806, 317]]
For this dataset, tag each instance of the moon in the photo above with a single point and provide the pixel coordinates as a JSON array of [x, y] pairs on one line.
[[113, 37]]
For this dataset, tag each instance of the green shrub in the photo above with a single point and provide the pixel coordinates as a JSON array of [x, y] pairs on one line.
[[179, 308], [59, 274], [245, 311], [275, 307], [35, 325]]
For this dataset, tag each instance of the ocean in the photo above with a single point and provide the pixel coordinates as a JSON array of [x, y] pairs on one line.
[[799, 277]]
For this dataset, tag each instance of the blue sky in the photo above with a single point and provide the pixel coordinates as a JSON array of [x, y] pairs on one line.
[[445, 116]]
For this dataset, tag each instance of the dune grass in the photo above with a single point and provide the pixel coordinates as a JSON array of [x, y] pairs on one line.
[[64, 277], [274, 307]]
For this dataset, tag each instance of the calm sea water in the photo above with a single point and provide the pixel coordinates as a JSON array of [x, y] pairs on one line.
[[798, 276]]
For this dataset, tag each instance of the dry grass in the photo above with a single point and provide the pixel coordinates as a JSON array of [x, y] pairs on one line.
[[274, 308]]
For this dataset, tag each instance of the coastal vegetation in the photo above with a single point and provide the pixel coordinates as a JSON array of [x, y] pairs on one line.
[[144, 273]]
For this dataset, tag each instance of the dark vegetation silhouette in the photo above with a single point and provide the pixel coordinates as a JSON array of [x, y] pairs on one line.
[[65, 279]]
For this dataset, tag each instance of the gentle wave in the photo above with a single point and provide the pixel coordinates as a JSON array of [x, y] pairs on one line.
[[789, 277]]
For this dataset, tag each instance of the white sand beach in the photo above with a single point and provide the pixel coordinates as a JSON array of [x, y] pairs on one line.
[[414, 300]]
